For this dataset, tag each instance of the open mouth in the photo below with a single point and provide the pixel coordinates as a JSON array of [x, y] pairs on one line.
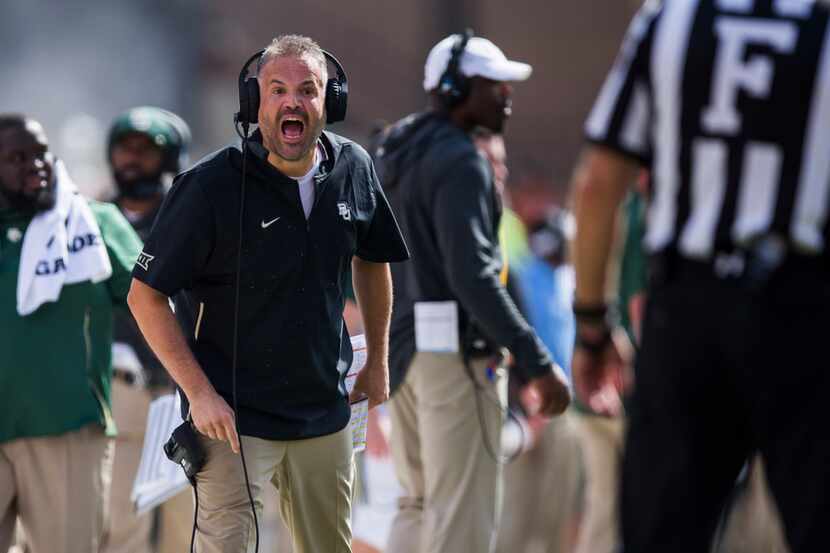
[[292, 128]]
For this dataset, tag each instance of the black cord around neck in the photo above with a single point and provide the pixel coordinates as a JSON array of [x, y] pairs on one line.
[[244, 135]]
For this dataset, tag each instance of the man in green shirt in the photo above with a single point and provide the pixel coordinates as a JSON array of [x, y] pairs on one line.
[[58, 286]]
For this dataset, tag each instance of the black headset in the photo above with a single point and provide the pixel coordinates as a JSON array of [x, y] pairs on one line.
[[454, 87], [337, 93]]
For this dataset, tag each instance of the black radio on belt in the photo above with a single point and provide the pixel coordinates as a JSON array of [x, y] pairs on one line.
[[766, 255], [474, 344], [184, 448], [752, 265]]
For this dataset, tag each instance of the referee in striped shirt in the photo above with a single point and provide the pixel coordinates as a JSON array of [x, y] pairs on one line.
[[727, 104]]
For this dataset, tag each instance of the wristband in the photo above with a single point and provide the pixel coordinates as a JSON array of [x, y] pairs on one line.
[[594, 346], [590, 313]]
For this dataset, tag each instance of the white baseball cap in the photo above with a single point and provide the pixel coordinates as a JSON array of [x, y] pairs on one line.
[[480, 58]]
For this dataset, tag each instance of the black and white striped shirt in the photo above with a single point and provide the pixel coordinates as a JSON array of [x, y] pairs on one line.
[[728, 103]]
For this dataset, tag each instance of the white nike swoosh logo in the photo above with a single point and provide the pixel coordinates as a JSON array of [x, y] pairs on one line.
[[269, 223]]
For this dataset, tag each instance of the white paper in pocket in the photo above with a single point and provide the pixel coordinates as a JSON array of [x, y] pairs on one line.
[[436, 326]]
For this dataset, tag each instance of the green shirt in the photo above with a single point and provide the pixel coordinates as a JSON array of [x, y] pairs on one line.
[[633, 265], [55, 366]]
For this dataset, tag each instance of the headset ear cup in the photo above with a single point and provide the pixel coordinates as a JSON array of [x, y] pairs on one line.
[[454, 90], [242, 115], [332, 97], [453, 86], [249, 100], [462, 87], [448, 90], [336, 101]]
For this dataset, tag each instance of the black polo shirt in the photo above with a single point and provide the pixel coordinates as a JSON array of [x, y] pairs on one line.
[[294, 350]]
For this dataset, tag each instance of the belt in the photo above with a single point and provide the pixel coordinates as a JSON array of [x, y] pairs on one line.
[[752, 267]]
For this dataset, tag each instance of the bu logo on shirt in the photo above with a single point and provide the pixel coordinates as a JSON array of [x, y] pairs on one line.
[[344, 211]]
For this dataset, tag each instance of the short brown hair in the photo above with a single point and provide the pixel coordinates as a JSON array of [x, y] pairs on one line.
[[295, 46]]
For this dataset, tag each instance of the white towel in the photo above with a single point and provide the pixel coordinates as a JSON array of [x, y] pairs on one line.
[[62, 246]]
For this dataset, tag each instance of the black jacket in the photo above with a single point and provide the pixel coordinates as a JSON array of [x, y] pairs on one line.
[[442, 191], [293, 346]]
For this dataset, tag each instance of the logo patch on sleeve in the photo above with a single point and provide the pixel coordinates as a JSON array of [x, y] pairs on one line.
[[144, 260]]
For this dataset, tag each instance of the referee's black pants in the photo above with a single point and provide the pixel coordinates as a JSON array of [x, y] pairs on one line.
[[725, 371]]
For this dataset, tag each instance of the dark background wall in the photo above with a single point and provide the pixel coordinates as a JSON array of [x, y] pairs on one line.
[[75, 65]]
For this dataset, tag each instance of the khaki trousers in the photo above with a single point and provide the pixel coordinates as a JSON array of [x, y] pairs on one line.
[[176, 523], [542, 493], [128, 532], [754, 524], [452, 485], [602, 449], [314, 478], [59, 487]]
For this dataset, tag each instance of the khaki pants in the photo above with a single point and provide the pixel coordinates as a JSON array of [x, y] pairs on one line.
[[542, 493], [128, 532], [753, 524], [452, 485], [59, 487], [602, 448], [314, 478], [176, 523]]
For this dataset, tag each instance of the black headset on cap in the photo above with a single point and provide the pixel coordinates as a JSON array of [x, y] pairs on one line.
[[337, 93], [454, 86]]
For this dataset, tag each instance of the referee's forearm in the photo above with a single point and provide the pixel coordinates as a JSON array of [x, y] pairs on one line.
[[160, 328], [599, 183]]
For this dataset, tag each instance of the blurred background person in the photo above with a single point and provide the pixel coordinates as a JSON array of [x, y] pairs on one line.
[[546, 281], [530, 193], [448, 402], [601, 435], [551, 471], [65, 265], [543, 477], [192, 69], [146, 147]]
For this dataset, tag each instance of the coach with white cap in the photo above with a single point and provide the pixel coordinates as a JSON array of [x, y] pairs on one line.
[[452, 317]]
